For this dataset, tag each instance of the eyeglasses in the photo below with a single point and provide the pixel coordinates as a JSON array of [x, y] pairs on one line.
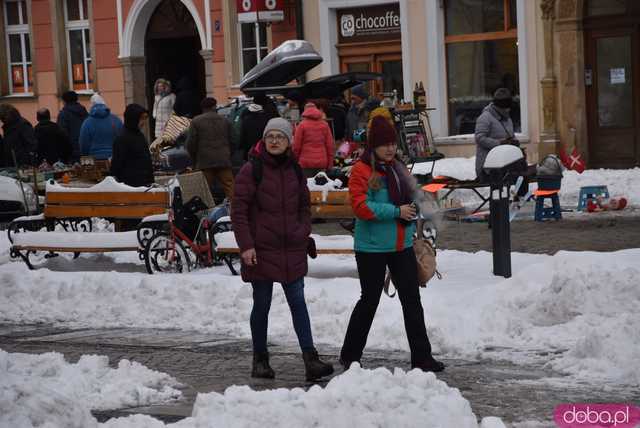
[[279, 138]]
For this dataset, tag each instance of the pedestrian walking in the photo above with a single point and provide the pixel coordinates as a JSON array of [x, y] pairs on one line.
[[99, 130], [131, 162], [381, 196], [70, 118], [53, 143], [162, 105], [20, 144], [272, 222], [209, 145], [314, 146]]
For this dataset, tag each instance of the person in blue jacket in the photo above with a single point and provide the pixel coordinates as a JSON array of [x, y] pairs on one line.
[[99, 130]]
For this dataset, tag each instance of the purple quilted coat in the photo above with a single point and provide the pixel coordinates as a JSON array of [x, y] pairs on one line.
[[273, 217]]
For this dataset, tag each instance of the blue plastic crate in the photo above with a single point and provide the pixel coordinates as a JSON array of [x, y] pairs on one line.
[[591, 192]]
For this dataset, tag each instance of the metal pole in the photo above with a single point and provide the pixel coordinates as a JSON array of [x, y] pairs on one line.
[[500, 229]]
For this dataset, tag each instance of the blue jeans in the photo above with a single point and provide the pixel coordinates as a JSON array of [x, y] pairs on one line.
[[294, 292]]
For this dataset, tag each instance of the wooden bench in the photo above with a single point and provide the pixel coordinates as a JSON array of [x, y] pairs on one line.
[[73, 209], [331, 204], [226, 247]]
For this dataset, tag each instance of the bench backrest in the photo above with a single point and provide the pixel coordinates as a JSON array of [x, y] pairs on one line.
[[334, 204], [105, 204]]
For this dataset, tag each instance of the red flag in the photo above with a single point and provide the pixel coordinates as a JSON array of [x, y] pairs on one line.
[[572, 161]]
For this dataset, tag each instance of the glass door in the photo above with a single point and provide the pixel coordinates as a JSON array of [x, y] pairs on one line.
[[391, 67], [612, 101]]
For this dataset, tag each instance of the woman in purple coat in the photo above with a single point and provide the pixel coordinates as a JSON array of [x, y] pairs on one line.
[[272, 222]]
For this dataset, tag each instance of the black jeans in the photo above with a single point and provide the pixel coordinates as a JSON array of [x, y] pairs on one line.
[[371, 269]]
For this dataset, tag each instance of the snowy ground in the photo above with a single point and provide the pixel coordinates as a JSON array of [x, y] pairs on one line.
[[620, 182], [576, 312]]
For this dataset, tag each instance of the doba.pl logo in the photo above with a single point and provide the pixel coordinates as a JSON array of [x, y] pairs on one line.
[[583, 415]]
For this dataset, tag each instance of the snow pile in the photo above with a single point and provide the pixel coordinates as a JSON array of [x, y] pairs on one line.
[[40, 389], [619, 182], [358, 397], [576, 311]]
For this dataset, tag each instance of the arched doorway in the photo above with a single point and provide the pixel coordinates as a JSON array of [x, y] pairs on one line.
[[172, 48]]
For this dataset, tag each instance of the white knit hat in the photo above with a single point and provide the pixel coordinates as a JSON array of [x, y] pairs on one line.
[[97, 99]]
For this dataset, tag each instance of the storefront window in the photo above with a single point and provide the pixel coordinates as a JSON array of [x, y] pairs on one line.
[[482, 55], [78, 44], [254, 45], [18, 45]]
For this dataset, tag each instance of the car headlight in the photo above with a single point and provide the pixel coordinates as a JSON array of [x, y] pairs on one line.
[[30, 197]]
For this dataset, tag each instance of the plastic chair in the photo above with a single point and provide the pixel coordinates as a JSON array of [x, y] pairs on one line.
[[543, 213], [591, 192]]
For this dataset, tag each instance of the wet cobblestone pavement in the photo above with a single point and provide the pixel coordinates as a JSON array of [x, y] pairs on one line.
[[208, 362]]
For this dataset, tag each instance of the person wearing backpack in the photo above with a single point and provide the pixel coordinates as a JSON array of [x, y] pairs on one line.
[[271, 220], [381, 192]]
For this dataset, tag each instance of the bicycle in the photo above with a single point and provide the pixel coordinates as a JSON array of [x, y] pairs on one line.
[[187, 242]]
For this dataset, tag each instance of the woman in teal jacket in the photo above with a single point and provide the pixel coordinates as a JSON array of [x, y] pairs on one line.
[[381, 196]]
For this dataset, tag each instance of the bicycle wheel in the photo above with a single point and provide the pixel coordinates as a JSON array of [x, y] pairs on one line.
[[166, 255]]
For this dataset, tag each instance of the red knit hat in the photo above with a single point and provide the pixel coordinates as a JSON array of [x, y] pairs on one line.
[[381, 133]]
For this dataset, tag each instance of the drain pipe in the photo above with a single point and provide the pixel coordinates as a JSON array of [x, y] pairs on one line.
[[300, 31]]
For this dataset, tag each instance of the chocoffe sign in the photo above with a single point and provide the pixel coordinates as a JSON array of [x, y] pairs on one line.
[[369, 23]]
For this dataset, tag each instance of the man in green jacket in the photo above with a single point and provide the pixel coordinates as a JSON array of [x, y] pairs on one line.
[[209, 145]]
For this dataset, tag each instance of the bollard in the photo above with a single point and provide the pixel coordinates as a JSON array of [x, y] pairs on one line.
[[500, 229], [502, 165]]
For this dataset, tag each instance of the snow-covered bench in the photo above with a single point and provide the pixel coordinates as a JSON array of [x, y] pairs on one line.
[[73, 209], [226, 247]]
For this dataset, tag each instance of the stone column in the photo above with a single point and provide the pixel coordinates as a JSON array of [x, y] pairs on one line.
[[569, 59], [549, 137], [207, 56], [135, 84]]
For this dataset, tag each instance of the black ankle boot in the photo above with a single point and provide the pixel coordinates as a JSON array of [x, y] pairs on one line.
[[313, 367], [261, 367], [429, 365]]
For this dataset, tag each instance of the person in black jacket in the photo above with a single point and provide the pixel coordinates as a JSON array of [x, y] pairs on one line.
[[187, 100], [253, 121], [53, 143], [131, 162], [19, 139], [70, 119]]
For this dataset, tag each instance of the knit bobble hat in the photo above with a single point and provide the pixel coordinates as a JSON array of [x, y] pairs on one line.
[[381, 133], [279, 124]]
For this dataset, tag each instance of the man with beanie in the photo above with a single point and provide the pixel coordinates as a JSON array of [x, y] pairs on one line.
[[53, 143], [271, 219], [358, 114], [70, 118], [209, 145], [493, 128], [99, 130], [131, 162], [381, 191]]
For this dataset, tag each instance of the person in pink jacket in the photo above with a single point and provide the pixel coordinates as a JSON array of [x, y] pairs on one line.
[[313, 145]]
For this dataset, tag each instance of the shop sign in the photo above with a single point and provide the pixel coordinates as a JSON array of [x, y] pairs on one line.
[[364, 24], [260, 10]]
